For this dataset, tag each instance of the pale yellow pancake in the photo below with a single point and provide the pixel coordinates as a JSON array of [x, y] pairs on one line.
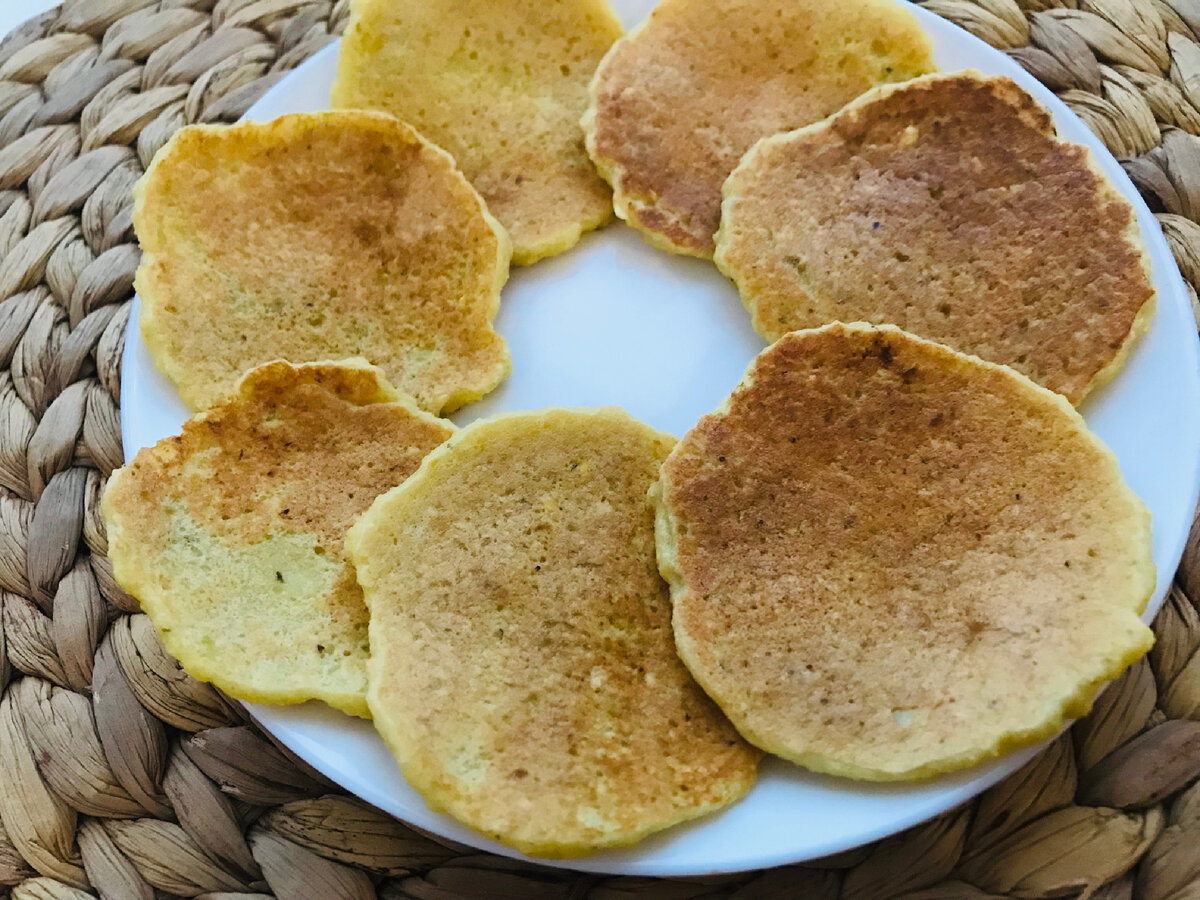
[[677, 101], [318, 236], [230, 534], [890, 560], [500, 84], [949, 207], [523, 670]]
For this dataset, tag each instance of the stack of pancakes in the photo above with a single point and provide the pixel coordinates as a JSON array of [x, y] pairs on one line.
[[570, 629]]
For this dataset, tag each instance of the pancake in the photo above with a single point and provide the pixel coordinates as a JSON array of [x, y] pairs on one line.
[[230, 534], [890, 560], [677, 101], [318, 236], [500, 84], [523, 670], [946, 206]]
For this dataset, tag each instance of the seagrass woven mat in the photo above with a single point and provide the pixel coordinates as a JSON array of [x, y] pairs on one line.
[[123, 778]]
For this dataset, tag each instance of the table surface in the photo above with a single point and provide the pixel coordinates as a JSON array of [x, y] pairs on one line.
[[14, 12], [893, 874]]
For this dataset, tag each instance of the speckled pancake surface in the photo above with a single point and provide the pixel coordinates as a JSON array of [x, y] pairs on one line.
[[230, 534], [946, 206], [890, 560], [676, 102], [501, 85], [523, 669], [318, 236]]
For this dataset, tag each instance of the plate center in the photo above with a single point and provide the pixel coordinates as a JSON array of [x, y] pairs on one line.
[[615, 322]]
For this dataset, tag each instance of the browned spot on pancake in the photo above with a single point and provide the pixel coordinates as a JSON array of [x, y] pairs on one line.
[[876, 533], [366, 232], [946, 206], [678, 101], [523, 667]]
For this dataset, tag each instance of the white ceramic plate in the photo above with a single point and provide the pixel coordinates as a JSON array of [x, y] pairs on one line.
[[616, 322]]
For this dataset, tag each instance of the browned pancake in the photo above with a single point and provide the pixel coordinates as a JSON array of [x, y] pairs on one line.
[[946, 206], [318, 236], [501, 85], [677, 101], [522, 666], [889, 560], [230, 533]]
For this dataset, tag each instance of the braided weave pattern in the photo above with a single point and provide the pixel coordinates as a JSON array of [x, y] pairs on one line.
[[123, 778]]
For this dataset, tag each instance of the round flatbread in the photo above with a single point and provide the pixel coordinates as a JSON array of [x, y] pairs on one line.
[[501, 85], [523, 670], [230, 534], [949, 207], [318, 236], [677, 101], [890, 560]]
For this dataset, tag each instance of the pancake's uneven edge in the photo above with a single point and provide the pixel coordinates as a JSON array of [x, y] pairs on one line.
[[626, 206], [504, 252], [1145, 315], [383, 389], [426, 782], [148, 283], [561, 241], [1131, 646], [573, 232]]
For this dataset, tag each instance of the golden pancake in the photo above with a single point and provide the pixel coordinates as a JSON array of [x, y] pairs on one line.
[[523, 670], [890, 560], [500, 84], [677, 101], [230, 534], [946, 206], [318, 236]]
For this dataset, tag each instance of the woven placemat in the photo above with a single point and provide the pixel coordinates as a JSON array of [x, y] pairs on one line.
[[123, 778]]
